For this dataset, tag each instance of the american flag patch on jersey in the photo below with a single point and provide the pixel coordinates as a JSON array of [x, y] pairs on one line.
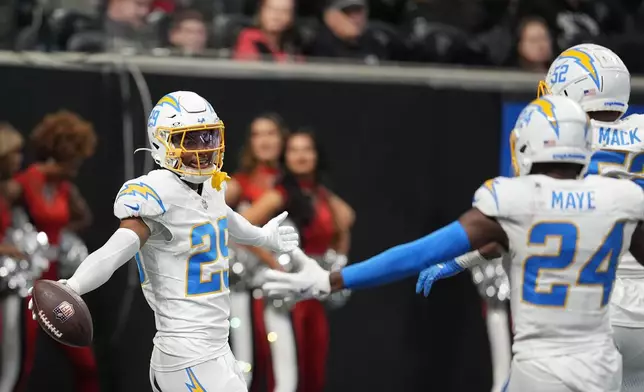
[[592, 91], [549, 143], [64, 311]]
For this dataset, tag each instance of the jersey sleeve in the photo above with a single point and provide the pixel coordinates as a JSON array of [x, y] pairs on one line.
[[138, 198], [487, 198]]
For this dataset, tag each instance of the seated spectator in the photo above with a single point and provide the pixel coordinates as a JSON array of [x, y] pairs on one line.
[[576, 21], [188, 33], [348, 36], [126, 25], [534, 47], [273, 37]]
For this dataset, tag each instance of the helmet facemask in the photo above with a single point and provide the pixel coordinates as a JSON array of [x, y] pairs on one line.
[[513, 153], [196, 152], [542, 89]]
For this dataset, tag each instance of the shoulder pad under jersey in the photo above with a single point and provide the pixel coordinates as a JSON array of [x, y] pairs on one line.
[[489, 198], [141, 197], [632, 199]]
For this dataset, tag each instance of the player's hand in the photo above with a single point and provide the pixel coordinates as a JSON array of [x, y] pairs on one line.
[[310, 282], [436, 272], [31, 299], [280, 239]]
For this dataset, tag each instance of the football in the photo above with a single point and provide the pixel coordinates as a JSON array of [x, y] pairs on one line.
[[62, 313]]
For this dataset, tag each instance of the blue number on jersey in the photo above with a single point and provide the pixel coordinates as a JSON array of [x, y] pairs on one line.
[[593, 272], [216, 248], [559, 74], [539, 235], [637, 167], [604, 158]]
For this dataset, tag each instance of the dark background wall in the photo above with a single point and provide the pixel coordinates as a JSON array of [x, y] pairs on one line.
[[407, 158]]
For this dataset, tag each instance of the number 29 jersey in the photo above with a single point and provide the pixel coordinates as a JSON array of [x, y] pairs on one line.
[[565, 240], [183, 267]]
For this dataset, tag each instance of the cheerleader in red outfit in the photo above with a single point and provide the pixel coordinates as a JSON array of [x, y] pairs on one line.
[[259, 169], [324, 221], [62, 141], [10, 161]]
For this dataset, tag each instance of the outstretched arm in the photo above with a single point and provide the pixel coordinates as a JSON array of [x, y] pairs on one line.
[[270, 236], [99, 266], [473, 230]]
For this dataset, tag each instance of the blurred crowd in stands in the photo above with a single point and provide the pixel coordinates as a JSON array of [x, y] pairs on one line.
[[512, 33]]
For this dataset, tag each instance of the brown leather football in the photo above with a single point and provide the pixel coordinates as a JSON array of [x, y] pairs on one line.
[[62, 313]]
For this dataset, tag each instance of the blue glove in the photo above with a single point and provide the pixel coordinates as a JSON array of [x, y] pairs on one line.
[[439, 271]]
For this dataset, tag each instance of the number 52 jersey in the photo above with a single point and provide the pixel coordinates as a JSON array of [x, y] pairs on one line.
[[183, 267], [565, 241]]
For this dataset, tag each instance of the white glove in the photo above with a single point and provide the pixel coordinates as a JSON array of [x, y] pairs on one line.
[[310, 282], [31, 300], [280, 239]]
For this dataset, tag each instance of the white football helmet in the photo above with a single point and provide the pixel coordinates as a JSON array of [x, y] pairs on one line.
[[186, 136], [550, 129], [592, 75]]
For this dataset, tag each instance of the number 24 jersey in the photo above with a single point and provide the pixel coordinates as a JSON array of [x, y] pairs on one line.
[[565, 241]]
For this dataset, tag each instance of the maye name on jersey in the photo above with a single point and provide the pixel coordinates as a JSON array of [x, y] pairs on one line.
[[572, 200], [503, 196]]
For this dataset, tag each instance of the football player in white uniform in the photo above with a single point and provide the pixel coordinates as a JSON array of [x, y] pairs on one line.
[[597, 78], [176, 225], [564, 235]]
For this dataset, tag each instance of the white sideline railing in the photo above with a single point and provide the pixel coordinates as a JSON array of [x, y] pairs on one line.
[[434, 76]]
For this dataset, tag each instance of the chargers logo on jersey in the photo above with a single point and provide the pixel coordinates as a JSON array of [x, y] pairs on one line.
[[584, 60], [142, 190], [170, 101]]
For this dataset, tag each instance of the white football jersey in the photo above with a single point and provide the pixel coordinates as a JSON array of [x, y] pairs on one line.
[[565, 240], [183, 267], [619, 152]]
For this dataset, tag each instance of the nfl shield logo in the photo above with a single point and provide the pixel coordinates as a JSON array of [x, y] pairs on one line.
[[204, 204], [64, 311]]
